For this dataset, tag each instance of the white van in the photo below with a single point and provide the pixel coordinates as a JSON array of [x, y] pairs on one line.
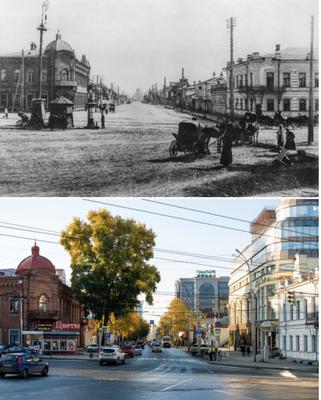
[[166, 342]]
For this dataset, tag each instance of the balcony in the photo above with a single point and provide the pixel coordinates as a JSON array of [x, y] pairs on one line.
[[43, 315], [312, 318], [61, 83]]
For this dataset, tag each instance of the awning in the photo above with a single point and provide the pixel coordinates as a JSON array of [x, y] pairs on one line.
[[61, 333], [32, 332]]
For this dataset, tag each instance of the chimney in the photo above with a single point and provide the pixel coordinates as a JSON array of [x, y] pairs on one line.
[[277, 48], [239, 60], [33, 46]]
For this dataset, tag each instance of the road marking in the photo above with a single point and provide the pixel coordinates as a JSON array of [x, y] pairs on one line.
[[176, 384], [235, 394], [288, 374]]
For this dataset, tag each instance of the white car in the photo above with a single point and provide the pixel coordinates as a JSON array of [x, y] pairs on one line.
[[199, 349], [92, 348], [156, 348], [111, 355], [138, 350]]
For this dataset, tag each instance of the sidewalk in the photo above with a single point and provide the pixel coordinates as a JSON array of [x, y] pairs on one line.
[[235, 359]]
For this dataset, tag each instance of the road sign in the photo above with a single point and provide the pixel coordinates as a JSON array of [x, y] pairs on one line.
[[199, 331], [107, 334], [217, 331], [151, 322], [217, 324]]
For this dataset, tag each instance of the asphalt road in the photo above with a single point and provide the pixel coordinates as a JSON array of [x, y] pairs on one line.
[[171, 375]]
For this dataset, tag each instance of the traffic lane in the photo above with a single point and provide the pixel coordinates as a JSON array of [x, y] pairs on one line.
[[171, 374]]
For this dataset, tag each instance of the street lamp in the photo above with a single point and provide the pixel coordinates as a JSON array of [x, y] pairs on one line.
[[20, 310], [253, 305]]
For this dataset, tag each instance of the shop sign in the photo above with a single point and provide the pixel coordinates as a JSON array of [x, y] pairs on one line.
[[61, 326], [43, 327]]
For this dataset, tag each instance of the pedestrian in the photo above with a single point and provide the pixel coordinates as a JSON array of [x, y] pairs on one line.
[[210, 353], [248, 350], [5, 113], [215, 353], [243, 350], [102, 120], [227, 157], [279, 138], [289, 140]]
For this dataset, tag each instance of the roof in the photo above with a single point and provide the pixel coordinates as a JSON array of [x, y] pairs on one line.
[[59, 44], [35, 262], [295, 53], [27, 53], [61, 100]]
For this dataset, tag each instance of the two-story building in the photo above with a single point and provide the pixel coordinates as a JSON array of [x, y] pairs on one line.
[[277, 82]]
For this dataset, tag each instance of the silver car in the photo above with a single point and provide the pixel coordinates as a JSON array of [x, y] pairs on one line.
[[111, 355], [156, 348]]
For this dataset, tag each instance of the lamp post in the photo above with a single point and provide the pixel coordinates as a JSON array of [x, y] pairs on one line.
[[21, 311], [253, 307]]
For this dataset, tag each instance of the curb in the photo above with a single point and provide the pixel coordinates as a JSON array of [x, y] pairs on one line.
[[281, 368]]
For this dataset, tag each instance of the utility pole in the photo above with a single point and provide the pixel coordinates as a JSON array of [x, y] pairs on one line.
[[22, 103], [164, 91], [231, 23], [42, 28], [311, 127]]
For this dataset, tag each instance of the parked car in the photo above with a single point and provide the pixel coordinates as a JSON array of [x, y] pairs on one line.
[[111, 355], [23, 364], [141, 344], [3, 348], [156, 348], [202, 349], [19, 349], [128, 350], [138, 350], [94, 348]]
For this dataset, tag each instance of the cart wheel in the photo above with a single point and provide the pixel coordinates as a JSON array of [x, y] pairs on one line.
[[173, 148]]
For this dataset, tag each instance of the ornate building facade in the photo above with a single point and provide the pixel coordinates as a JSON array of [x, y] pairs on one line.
[[62, 74], [37, 308]]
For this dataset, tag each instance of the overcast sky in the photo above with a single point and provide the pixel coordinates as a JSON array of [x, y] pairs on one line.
[[56, 213], [135, 43]]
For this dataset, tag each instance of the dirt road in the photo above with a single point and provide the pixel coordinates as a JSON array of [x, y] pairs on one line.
[[130, 158]]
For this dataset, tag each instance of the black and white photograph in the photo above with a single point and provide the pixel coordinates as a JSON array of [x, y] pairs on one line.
[[171, 98]]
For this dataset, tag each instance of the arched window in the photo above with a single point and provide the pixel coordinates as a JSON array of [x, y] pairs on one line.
[[64, 75], [206, 293], [3, 76], [43, 303], [30, 76], [16, 75]]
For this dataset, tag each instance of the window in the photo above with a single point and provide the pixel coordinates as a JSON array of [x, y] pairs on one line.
[[297, 343], [302, 79], [270, 80], [298, 310], [44, 76], [4, 100], [241, 104], [305, 343], [43, 303], [291, 312], [30, 76], [16, 75], [284, 342], [29, 99], [269, 105], [251, 104], [313, 343], [286, 267], [64, 75], [284, 311], [241, 81], [286, 105], [236, 103], [316, 105], [316, 79], [302, 105], [305, 307], [14, 336], [14, 305], [251, 79], [3, 75], [291, 343], [286, 79]]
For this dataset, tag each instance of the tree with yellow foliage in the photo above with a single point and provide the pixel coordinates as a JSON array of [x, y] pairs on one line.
[[178, 318]]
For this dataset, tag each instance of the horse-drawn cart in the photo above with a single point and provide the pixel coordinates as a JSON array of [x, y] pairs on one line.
[[192, 139]]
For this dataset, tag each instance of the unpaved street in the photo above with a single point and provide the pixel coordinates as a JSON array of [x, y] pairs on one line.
[[130, 158]]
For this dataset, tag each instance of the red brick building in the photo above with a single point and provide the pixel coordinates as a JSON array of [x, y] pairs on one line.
[[39, 305], [62, 74]]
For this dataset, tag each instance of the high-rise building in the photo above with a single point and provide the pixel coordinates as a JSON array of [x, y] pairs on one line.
[[281, 239], [205, 294]]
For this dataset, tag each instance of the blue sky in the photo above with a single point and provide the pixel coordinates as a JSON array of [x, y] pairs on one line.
[[56, 213], [135, 43]]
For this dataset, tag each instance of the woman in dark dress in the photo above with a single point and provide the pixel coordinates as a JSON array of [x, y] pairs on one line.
[[226, 157], [289, 140]]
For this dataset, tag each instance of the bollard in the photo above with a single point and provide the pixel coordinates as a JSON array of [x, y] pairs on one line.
[[91, 355]]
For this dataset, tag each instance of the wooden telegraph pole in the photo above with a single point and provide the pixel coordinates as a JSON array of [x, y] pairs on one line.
[[164, 91], [231, 23], [311, 127]]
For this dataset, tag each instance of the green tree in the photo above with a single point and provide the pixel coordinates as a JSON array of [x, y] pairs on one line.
[[109, 261]]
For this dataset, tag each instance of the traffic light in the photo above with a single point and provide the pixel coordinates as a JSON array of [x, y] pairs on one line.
[[291, 297]]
